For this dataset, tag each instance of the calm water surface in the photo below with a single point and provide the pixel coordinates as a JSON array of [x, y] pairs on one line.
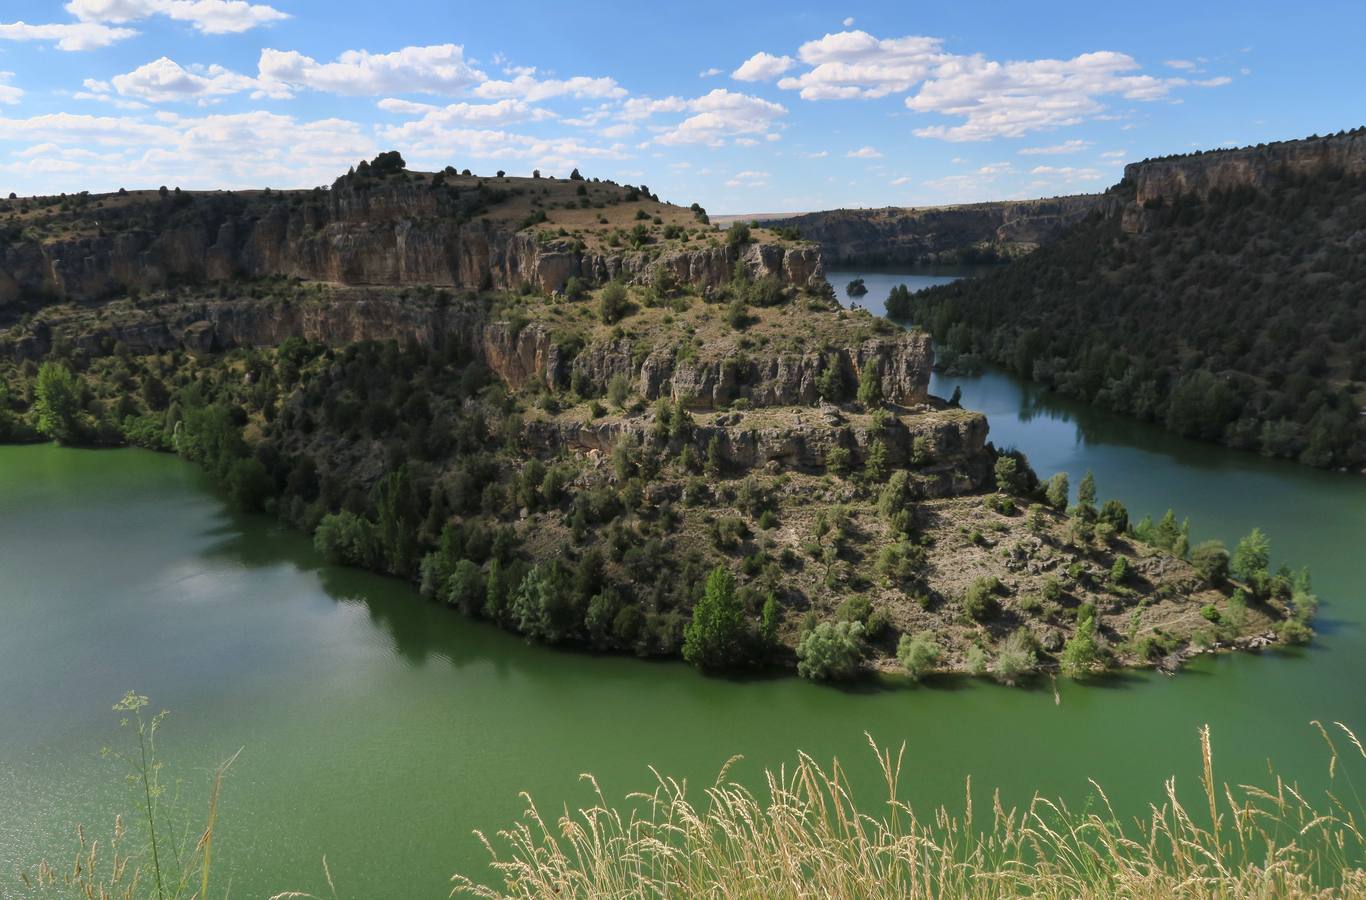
[[379, 730]]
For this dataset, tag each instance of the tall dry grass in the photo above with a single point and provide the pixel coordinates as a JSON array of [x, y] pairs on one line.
[[808, 837]]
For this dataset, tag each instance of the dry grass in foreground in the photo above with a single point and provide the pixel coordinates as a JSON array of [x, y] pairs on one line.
[[811, 839]]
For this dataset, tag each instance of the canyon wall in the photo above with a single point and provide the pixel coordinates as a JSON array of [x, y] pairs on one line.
[[391, 233], [911, 236], [1259, 167], [343, 315]]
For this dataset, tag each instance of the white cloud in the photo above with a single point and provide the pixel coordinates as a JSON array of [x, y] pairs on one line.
[[1068, 174], [864, 153], [435, 69], [898, 182], [748, 179], [436, 119], [762, 67], [819, 154], [848, 21], [709, 73], [165, 80], [719, 115], [71, 36], [1072, 146], [855, 64], [1114, 154], [528, 87], [208, 16], [240, 150], [8, 92], [1184, 64], [992, 99]]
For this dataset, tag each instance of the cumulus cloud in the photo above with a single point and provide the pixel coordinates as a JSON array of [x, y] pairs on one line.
[[864, 153], [762, 67], [709, 73], [208, 16], [528, 87], [435, 119], [164, 80], [1072, 146], [848, 21], [854, 64], [435, 69], [70, 36], [718, 116], [990, 98]]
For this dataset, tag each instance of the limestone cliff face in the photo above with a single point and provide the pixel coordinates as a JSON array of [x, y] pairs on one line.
[[1256, 167], [392, 233], [783, 379], [909, 236]]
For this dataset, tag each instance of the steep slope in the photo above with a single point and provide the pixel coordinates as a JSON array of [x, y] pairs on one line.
[[1222, 294]]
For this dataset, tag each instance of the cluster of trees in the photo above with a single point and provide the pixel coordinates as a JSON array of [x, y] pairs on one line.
[[1232, 319]]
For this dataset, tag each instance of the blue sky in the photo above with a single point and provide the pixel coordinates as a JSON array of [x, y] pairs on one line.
[[744, 107]]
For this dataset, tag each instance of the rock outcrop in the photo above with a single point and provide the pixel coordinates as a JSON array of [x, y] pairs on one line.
[[1156, 183], [394, 233], [954, 457]]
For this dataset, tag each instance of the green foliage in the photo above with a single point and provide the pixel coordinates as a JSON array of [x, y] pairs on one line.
[[715, 637], [249, 484], [1057, 491], [918, 654], [615, 302], [1007, 472], [876, 466], [979, 600], [769, 619], [345, 538], [870, 385], [1119, 571], [57, 403], [1016, 658], [1080, 653], [1211, 560], [831, 651], [899, 304], [618, 389], [1086, 491], [840, 461], [1252, 556]]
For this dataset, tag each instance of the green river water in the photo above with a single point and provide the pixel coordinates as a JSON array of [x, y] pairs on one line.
[[379, 730]]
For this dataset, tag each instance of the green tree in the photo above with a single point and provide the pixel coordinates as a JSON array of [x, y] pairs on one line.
[[1007, 471], [1057, 491], [715, 637], [769, 619], [979, 600], [831, 651], [465, 589], [1252, 556], [1080, 653], [1211, 560], [917, 654], [1086, 492], [870, 385], [875, 466], [57, 402], [249, 484], [615, 302]]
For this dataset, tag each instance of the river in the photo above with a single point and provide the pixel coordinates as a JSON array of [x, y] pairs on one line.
[[379, 730]]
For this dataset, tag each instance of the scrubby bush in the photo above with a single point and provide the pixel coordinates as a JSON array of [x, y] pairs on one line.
[[979, 600], [831, 651], [1016, 658], [917, 654]]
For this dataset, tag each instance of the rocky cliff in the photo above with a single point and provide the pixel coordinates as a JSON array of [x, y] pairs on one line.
[[463, 233], [1260, 167], [1157, 183], [911, 236]]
